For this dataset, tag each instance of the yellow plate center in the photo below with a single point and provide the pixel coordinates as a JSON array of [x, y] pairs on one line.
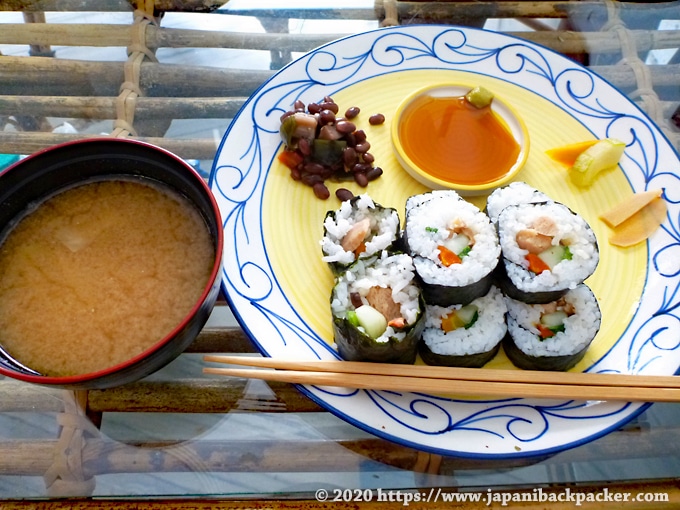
[[292, 217]]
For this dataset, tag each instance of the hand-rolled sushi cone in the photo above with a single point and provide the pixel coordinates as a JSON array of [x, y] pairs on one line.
[[552, 336], [378, 312], [546, 250], [454, 247], [464, 336], [360, 228]]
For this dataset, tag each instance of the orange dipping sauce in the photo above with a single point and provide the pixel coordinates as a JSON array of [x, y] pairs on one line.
[[456, 142]]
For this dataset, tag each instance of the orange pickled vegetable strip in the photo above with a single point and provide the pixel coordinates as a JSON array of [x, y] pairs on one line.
[[447, 257], [567, 154], [544, 331], [536, 264], [627, 208], [451, 322], [641, 225]]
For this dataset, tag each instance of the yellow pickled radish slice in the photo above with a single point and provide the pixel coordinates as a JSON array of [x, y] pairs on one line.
[[640, 225], [627, 208]]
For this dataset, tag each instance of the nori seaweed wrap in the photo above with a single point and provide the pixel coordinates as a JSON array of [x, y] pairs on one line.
[[514, 193], [378, 311], [464, 336], [547, 249], [552, 336], [454, 246], [359, 229]]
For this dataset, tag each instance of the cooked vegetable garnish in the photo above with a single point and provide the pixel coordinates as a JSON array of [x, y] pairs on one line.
[[322, 146], [627, 208], [479, 97], [604, 155]]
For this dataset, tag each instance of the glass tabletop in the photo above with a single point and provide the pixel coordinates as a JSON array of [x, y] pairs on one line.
[[68, 72]]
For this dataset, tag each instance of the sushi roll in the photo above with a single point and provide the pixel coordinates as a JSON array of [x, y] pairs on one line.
[[552, 336], [454, 247], [514, 193], [360, 228], [546, 250], [464, 336], [378, 313]]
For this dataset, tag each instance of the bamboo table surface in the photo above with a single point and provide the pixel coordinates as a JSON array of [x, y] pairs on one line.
[[181, 439]]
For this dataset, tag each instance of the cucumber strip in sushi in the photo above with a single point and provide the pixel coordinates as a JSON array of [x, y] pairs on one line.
[[552, 336], [464, 336], [514, 193], [454, 247], [360, 228], [378, 312], [546, 250]]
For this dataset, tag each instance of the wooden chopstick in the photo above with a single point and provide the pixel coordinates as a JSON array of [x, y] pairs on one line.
[[465, 382]]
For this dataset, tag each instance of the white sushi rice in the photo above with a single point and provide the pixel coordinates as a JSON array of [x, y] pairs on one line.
[[385, 224], [579, 328], [391, 271], [572, 230], [513, 194], [482, 336], [427, 225]]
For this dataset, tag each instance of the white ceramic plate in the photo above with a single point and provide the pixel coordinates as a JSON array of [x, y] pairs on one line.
[[278, 287]]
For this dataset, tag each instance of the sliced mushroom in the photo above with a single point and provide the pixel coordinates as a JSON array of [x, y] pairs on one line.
[[380, 298], [356, 235], [532, 241]]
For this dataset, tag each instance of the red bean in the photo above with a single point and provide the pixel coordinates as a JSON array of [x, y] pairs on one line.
[[311, 179], [313, 168], [295, 174], [286, 115], [361, 179], [326, 105], [368, 158], [321, 191], [344, 126], [355, 299], [314, 108], [362, 146], [376, 119], [299, 106], [361, 168], [349, 156], [352, 112], [374, 173], [360, 135], [343, 194], [326, 116]]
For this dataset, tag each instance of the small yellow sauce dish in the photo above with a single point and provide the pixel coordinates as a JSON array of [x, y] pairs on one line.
[[446, 142]]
